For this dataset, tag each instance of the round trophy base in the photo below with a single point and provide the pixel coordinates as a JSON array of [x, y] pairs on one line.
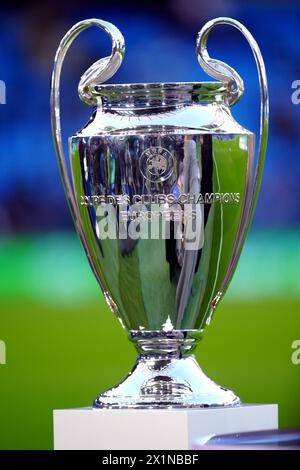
[[164, 382]]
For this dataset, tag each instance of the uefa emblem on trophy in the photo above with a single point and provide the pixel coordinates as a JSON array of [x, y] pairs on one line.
[[163, 189]]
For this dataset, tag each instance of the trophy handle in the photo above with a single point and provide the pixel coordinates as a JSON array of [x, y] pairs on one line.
[[99, 72], [222, 71]]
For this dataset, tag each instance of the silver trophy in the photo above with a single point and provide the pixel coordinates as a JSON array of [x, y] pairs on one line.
[[164, 186]]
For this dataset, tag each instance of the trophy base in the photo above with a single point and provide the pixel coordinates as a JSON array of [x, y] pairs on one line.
[[166, 379], [163, 429]]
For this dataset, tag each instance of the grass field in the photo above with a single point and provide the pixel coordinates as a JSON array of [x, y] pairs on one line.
[[63, 346]]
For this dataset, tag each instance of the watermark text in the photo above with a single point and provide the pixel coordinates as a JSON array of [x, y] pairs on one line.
[[295, 358], [2, 352]]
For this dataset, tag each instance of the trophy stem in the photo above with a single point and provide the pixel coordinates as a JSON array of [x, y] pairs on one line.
[[166, 374]]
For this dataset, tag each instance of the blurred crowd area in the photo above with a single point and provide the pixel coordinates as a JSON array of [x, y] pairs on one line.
[[160, 46]]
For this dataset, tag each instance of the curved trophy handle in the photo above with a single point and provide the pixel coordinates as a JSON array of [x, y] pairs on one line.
[[96, 74], [222, 71]]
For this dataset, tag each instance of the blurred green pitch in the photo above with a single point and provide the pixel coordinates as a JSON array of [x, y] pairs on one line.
[[63, 346]]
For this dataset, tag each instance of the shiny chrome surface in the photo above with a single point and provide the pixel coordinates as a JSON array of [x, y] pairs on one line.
[[166, 375], [221, 71], [152, 281], [108, 67], [151, 146]]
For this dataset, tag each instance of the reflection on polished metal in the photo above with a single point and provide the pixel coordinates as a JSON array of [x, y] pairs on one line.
[[164, 186]]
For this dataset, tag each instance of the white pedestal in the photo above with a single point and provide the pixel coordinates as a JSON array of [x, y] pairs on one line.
[[171, 429]]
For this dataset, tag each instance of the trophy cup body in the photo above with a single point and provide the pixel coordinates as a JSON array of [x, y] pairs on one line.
[[162, 194]]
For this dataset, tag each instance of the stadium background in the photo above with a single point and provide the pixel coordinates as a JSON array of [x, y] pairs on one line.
[[63, 346]]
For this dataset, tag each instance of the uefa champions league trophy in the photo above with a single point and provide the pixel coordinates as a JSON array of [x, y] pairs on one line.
[[164, 186]]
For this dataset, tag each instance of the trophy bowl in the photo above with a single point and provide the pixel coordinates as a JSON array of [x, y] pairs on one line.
[[163, 189]]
